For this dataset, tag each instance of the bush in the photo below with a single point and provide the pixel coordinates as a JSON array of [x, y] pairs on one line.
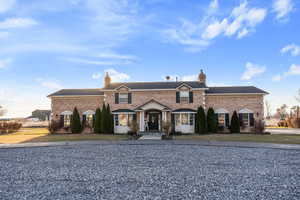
[[212, 123], [134, 127], [166, 125], [9, 127], [75, 122], [235, 123], [259, 127], [201, 121], [296, 123], [53, 127]]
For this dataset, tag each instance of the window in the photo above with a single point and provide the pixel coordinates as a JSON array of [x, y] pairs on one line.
[[123, 119], [184, 96], [123, 98], [246, 119], [67, 120], [221, 119], [90, 119], [184, 119]]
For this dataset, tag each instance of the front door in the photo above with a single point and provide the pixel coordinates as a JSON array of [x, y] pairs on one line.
[[153, 121]]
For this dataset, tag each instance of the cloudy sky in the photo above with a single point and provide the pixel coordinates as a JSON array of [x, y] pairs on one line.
[[52, 44]]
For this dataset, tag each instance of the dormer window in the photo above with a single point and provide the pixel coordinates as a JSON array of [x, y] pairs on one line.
[[184, 96], [123, 98]]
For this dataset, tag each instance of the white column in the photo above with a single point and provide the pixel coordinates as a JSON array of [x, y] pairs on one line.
[[142, 121]]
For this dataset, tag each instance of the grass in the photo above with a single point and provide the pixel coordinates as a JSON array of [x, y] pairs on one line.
[[26, 135], [278, 139]]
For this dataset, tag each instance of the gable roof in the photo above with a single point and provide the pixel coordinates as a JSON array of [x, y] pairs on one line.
[[77, 92], [235, 90], [155, 85], [152, 101]]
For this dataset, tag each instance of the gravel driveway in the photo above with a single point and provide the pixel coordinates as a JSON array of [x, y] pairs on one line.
[[151, 171]]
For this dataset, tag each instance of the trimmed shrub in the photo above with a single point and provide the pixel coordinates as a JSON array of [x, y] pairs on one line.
[[201, 121], [110, 120], [212, 122], [259, 127], [9, 127], [75, 122], [98, 121], [104, 120], [235, 123], [54, 126]]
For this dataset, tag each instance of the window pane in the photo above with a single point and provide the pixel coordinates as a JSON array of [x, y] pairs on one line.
[[192, 119], [221, 119], [123, 98], [67, 120], [184, 96], [185, 119], [89, 119], [116, 120], [246, 119], [123, 119]]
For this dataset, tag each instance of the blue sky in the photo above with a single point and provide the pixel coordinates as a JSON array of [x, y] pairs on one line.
[[52, 44]]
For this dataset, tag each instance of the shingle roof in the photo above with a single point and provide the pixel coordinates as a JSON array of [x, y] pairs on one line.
[[77, 92], [235, 90], [155, 85]]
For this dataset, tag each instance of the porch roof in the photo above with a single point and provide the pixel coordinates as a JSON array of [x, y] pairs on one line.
[[153, 101], [184, 110], [123, 111]]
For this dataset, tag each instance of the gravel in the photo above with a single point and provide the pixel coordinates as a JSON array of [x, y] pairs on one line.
[[169, 171]]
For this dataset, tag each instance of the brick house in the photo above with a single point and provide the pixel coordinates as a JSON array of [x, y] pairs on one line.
[[151, 103]]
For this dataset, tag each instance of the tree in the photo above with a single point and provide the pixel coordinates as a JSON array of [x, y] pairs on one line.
[[104, 119], [235, 123], [75, 122], [98, 121], [2, 111], [110, 120], [282, 112], [200, 121], [212, 123], [268, 109]]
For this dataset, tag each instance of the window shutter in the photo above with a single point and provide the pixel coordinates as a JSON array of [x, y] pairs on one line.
[[129, 98], [251, 119], [93, 120], [61, 121], [191, 97], [217, 119], [241, 119], [134, 117], [227, 120], [177, 97], [116, 98]]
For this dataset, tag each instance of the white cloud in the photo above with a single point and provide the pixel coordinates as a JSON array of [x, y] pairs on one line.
[[17, 23], [97, 62], [282, 8], [294, 70], [96, 76], [292, 48], [49, 84], [117, 76], [112, 55], [5, 62], [213, 6], [252, 70], [4, 35], [6, 5], [277, 77], [197, 36]]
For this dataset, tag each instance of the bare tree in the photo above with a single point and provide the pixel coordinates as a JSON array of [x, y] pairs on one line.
[[282, 112], [268, 109], [2, 111]]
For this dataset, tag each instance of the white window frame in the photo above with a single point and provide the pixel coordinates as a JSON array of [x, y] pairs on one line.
[[129, 118], [224, 122], [179, 117], [244, 112], [184, 96], [123, 100], [67, 118]]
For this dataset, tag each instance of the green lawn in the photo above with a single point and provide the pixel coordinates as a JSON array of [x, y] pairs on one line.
[[26, 135], [279, 139]]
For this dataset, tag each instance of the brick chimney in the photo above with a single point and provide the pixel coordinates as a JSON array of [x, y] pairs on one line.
[[107, 80], [202, 77]]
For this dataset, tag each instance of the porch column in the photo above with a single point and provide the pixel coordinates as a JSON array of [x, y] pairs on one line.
[[164, 116], [142, 121]]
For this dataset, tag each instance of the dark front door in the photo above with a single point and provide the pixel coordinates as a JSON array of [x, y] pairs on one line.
[[153, 121]]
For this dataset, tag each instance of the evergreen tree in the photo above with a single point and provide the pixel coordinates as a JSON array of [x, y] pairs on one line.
[[201, 121], [212, 122], [235, 123], [110, 120], [104, 119], [75, 122], [98, 121]]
